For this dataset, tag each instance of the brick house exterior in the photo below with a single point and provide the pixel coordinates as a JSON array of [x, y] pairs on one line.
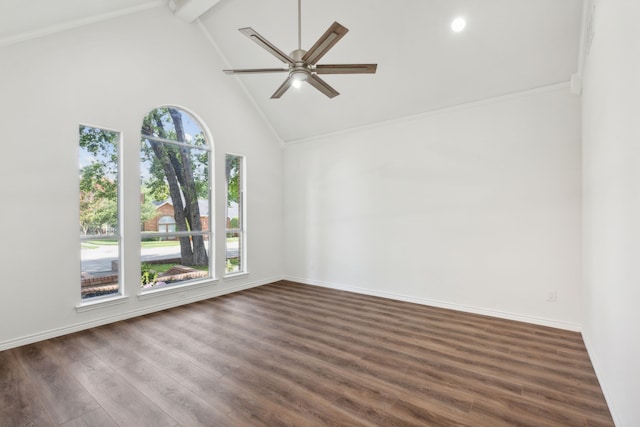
[[165, 210]]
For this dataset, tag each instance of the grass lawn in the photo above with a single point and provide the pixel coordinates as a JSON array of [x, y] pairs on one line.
[[160, 244], [105, 242]]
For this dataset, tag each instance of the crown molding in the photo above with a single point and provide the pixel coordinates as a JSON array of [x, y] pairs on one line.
[[76, 23]]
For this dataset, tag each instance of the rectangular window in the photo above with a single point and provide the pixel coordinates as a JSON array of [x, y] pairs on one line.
[[235, 237], [100, 240]]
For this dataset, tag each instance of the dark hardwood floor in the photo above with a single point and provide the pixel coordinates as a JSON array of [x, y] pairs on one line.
[[287, 354]]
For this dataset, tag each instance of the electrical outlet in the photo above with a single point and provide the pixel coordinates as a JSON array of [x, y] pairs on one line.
[[551, 296]]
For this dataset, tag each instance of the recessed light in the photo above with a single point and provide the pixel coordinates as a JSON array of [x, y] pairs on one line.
[[458, 24]]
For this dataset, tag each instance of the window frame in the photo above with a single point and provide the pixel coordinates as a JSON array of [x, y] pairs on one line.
[[242, 224], [208, 235], [118, 235], [166, 225]]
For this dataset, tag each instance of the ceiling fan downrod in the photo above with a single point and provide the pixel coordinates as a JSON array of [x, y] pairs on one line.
[[299, 24]]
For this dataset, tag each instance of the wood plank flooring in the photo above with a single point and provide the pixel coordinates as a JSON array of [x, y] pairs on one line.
[[288, 354]]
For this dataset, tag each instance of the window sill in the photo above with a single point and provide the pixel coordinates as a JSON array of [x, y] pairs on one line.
[[98, 303], [233, 276], [168, 290]]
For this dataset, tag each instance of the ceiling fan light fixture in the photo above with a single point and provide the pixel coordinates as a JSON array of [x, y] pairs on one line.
[[299, 75]]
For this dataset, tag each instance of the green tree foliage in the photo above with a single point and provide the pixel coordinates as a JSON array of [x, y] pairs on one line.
[[234, 223], [147, 208], [98, 180], [232, 172]]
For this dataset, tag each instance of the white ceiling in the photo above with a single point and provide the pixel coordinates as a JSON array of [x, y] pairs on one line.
[[508, 46]]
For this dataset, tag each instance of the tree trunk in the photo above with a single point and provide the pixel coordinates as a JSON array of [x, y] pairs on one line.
[[186, 254], [188, 185]]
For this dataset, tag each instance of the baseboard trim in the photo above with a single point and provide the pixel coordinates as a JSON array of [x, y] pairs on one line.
[[443, 304], [53, 333]]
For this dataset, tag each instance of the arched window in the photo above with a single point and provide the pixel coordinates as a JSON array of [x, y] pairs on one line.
[[175, 156]]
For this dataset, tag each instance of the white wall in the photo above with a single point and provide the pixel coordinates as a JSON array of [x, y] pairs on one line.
[[111, 74], [475, 208], [611, 135]]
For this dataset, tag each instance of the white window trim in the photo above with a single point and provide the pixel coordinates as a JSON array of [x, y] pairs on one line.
[[150, 293], [238, 275], [111, 299], [243, 219], [96, 303]]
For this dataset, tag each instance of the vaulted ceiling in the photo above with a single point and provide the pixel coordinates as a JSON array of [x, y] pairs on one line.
[[508, 46]]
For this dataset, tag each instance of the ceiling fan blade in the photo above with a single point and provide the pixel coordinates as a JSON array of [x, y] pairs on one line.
[[347, 69], [322, 86], [256, 70], [324, 43], [265, 44], [283, 88]]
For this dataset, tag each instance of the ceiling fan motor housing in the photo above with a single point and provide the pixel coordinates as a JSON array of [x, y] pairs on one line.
[[297, 55], [298, 71]]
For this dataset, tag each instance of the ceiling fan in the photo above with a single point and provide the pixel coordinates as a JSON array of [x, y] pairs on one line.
[[302, 64]]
